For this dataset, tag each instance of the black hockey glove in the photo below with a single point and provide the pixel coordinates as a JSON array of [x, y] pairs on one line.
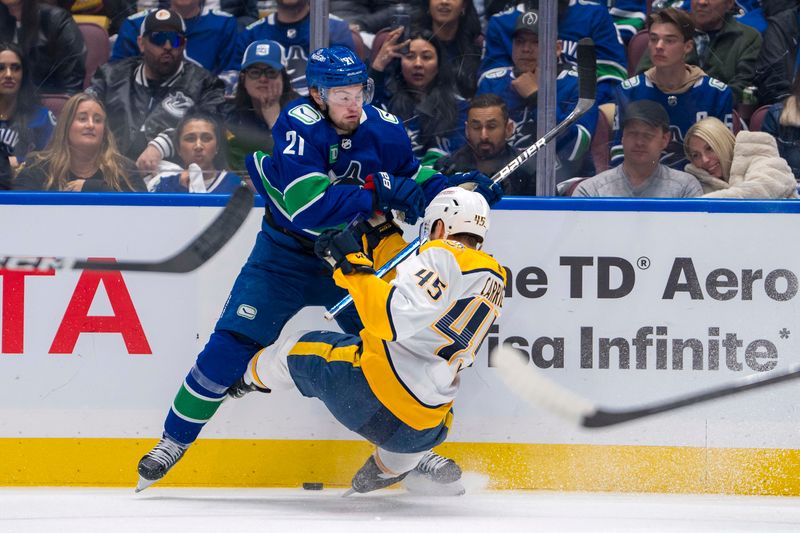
[[396, 192], [493, 192], [340, 249], [371, 236]]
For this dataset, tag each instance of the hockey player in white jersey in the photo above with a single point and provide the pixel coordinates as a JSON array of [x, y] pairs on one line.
[[395, 383]]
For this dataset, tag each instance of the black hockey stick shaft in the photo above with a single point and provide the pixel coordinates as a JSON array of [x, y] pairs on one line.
[[191, 257], [608, 417]]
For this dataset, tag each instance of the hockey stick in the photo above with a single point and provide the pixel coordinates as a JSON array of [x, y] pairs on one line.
[[587, 86], [532, 386], [197, 252]]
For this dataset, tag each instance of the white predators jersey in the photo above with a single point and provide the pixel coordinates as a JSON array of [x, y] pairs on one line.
[[426, 326]]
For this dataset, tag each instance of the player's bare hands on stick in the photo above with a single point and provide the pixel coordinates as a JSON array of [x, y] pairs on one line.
[[390, 50]]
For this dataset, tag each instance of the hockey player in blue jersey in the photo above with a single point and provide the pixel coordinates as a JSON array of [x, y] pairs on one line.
[[683, 90], [209, 35], [576, 20], [329, 150], [290, 26], [518, 86]]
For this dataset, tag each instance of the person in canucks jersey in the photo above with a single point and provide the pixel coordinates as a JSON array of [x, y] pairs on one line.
[[335, 159], [395, 383], [576, 19]]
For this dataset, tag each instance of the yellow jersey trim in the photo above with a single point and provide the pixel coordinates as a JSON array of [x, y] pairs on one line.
[[346, 354]]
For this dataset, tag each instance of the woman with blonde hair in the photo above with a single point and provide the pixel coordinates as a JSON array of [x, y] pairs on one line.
[[747, 166], [81, 156]]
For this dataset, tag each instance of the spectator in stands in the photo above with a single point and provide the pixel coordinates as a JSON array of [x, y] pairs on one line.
[[421, 93], [628, 16], [779, 60], [783, 122], [370, 16], [723, 47], [488, 130], [748, 166], [576, 20], [685, 91], [456, 25], [645, 135], [518, 85], [115, 10], [201, 149], [25, 125], [50, 41], [81, 156], [147, 96], [289, 25], [210, 36], [245, 11], [263, 90]]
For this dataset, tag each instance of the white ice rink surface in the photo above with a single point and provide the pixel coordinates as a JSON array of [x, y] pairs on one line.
[[68, 510]]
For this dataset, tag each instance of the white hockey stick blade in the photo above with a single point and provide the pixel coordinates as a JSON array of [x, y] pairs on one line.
[[533, 387], [204, 246]]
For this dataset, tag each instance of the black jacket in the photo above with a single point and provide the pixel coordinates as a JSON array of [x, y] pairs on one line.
[[775, 64], [521, 182], [57, 55], [139, 114]]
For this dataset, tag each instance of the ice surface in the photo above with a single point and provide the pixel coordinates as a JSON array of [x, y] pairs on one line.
[[68, 510]]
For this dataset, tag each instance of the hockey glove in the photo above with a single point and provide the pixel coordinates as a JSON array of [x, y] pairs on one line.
[[396, 192], [371, 235], [341, 250], [493, 192]]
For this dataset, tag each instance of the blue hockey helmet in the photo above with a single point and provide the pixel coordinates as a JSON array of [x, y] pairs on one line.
[[336, 66]]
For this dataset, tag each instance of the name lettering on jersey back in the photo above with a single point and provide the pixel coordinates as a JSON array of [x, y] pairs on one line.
[[493, 291]]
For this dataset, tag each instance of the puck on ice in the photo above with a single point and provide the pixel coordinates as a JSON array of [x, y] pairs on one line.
[[312, 486]]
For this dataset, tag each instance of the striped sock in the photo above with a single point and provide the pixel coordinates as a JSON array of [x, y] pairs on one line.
[[194, 405]]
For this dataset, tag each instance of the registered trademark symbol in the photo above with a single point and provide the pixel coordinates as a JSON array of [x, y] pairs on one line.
[[784, 333], [643, 263]]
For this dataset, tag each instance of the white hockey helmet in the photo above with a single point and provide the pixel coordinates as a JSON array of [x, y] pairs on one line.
[[460, 210]]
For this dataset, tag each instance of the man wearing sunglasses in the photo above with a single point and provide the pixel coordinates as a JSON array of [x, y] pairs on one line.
[[335, 159], [209, 35], [146, 96]]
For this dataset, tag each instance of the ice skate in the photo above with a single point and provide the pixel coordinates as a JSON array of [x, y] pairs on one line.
[[435, 475], [158, 461], [370, 477]]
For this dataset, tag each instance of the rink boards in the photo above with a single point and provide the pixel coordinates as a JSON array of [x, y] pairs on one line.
[[624, 302]]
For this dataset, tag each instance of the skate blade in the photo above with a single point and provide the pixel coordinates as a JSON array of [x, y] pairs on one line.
[[143, 484], [349, 492], [416, 483]]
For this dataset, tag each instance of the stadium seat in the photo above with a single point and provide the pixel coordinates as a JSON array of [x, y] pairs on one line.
[[361, 49], [98, 48], [757, 118], [54, 102], [637, 46], [601, 140]]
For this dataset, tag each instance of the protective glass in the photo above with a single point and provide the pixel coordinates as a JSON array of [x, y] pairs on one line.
[[269, 73], [348, 98], [160, 38]]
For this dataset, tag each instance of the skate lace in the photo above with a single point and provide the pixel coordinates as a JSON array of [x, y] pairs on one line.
[[431, 462], [166, 452]]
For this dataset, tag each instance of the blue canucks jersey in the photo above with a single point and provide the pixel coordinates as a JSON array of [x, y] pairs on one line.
[[314, 178], [224, 183], [708, 97], [583, 18], [39, 128], [210, 40], [573, 144], [445, 142], [295, 40], [629, 16]]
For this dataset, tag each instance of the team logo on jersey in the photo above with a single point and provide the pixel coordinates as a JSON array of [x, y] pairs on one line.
[[717, 84], [177, 104], [388, 117], [672, 100], [305, 114], [346, 144], [247, 311], [291, 33], [333, 154]]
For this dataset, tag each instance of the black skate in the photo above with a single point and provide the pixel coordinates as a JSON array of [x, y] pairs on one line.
[[435, 475], [158, 461], [370, 477], [240, 388]]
